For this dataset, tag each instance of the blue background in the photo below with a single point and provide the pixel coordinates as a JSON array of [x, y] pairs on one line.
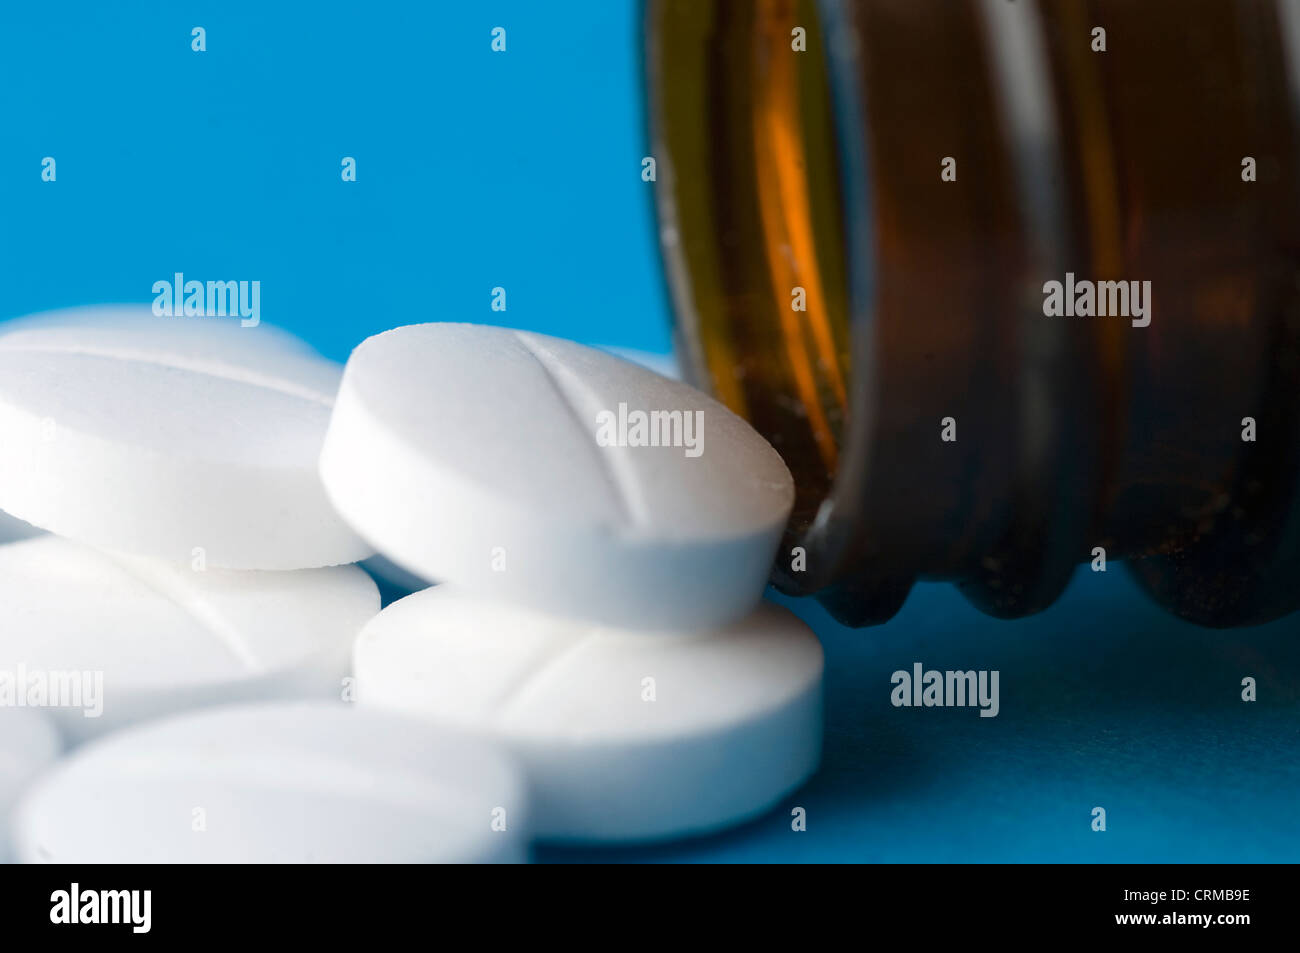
[[522, 170], [474, 169]]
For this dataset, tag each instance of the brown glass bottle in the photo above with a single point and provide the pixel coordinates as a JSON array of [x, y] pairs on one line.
[[812, 177]]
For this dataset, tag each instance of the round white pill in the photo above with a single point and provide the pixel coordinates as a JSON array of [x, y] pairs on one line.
[[28, 743], [170, 437], [276, 783], [553, 475], [101, 641], [623, 735]]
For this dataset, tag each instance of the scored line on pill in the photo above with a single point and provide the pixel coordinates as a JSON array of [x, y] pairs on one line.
[[161, 580], [613, 461], [545, 669], [173, 362]]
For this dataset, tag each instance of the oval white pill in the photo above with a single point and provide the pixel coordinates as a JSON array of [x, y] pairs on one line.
[[171, 438], [101, 641], [623, 735], [514, 465], [276, 783], [28, 743]]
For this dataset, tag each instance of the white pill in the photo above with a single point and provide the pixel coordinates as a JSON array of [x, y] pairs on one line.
[[276, 783], [623, 735], [102, 640], [503, 461], [170, 437], [28, 743]]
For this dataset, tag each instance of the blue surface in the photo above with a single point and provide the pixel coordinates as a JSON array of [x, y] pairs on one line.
[[522, 170]]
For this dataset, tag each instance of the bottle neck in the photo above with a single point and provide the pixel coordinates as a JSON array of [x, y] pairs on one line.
[[861, 236]]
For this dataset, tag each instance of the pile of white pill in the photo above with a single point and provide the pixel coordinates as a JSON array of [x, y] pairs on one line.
[[593, 665]]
